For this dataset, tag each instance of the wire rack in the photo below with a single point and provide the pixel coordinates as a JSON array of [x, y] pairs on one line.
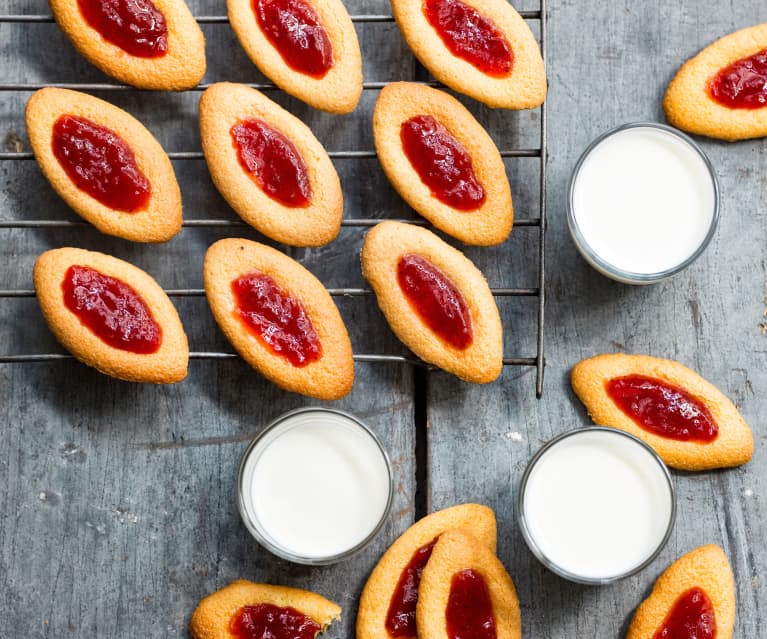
[[536, 361]]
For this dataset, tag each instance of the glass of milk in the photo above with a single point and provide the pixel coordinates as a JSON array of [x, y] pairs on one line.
[[643, 203], [315, 486], [596, 505]]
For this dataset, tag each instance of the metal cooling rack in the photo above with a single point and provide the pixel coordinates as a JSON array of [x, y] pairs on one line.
[[537, 361]]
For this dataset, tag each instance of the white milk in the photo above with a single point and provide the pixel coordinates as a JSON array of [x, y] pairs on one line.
[[643, 200], [597, 504], [316, 485]]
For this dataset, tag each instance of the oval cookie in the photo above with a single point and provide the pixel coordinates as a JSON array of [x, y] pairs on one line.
[[141, 341], [313, 216], [520, 84], [335, 85], [245, 281], [160, 46], [719, 437], [65, 116], [701, 98], [696, 592], [383, 611], [471, 347], [490, 216], [461, 569], [218, 613]]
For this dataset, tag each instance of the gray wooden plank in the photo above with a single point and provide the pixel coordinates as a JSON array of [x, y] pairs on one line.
[[609, 64], [118, 499], [78, 469]]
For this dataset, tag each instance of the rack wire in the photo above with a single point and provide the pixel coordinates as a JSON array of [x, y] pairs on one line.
[[537, 361]]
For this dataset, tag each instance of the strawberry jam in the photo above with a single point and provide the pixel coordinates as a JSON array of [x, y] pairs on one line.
[[471, 36], [400, 620], [136, 26], [100, 163], [692, 617], [442, 163], [295, 30], [267, 621], [743, 84], [469, 613], [276, 318], [662, 408], [436, 300], [273, 161], [111, 309]]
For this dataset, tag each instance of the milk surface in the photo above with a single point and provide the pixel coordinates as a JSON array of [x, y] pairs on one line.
[[597, 504], [643, 200]]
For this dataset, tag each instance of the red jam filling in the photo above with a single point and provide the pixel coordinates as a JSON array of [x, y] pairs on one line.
[[436, 300], [100, 163], [743, 84], [266, 621], [276, 318], [112, 310], [471, 36], [273, 161], [692, 617], [295, 30], [662, 408], [136, 26], [469, 613], [400, 620], [442, 163]]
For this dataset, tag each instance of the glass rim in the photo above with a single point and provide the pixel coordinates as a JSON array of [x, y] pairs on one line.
[[605, 267], [553, 566], [271, 545]]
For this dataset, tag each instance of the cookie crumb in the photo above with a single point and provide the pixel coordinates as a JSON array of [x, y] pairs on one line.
[[13, 143]]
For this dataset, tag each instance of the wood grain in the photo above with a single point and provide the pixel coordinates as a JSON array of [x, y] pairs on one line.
[[117, 500], [609, 63]]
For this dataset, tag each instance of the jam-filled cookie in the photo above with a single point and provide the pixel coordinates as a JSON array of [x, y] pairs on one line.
[[244, 610], [435, 300], [150, 44], [466, 592], [279, 317], [687, 420], [482, 48], [111, 315], [693, 599], [308, 48], [443, 163], [105, 165], [269, 166], [722, 91], [388, 602]]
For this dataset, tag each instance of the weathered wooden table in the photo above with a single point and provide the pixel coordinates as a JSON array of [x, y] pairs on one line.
[[117, 500]]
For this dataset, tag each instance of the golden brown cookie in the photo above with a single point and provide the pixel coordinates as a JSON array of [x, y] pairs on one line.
[[403, 562], [338, 89], [521, 87], [213, 617], [461, 568], [159, 219], [310, 213], [704, 569], [472, 348], [65, 284], [180, 67], [487, 224], [323, 367], [691, 103], [729, 443]]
